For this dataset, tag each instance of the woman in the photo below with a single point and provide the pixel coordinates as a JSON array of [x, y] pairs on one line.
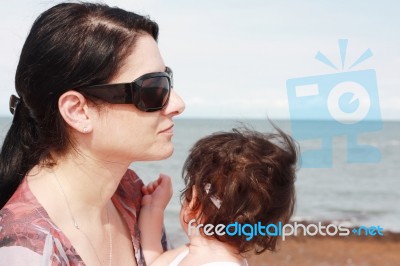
[[94, 96]]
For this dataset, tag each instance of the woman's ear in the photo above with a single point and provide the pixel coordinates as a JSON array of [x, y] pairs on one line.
[[74, 109]]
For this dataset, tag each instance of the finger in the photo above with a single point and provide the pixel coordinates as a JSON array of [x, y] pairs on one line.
[[166, 184], [165, 181], [164, 176], [152, 186], [145, 190]]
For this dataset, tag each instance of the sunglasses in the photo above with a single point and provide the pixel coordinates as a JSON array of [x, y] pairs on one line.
[[149, 93]]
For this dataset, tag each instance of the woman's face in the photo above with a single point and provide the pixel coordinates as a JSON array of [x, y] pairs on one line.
[[125, 134]]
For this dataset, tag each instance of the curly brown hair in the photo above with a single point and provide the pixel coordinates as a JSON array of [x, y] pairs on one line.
[[252, 173]]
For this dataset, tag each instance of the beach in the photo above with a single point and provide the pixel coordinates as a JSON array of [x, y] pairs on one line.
[[336, 250]]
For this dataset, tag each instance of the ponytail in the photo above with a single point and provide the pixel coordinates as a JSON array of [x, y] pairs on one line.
[[17, 155]]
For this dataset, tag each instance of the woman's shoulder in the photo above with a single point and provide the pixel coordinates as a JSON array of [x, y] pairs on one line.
[[22, 213], [30, 237], [24, 223]]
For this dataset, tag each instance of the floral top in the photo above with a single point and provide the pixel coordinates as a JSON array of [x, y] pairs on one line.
[[29, 237]]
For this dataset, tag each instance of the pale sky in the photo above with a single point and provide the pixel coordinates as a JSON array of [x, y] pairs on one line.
[[233, 58]]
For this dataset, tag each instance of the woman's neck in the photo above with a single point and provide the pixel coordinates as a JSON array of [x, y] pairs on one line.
[[85, 183], [94, 181]]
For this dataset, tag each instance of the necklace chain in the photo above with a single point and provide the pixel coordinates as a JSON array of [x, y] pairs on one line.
[[110, 243]]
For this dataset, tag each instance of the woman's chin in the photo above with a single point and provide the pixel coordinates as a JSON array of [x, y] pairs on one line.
[[161, 154], [167, 155]]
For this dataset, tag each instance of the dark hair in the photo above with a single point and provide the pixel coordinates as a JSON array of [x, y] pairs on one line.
[[253, 175], [70, 45]]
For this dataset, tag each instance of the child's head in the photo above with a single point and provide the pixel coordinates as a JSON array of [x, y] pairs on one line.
[[241, 176]]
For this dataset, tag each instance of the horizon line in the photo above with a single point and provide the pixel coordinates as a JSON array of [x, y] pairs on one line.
[[252, 118]]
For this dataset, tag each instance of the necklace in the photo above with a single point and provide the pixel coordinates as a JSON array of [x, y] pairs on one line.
[[83, 233]]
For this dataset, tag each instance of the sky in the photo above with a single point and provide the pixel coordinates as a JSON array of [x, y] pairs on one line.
[[232, 59]]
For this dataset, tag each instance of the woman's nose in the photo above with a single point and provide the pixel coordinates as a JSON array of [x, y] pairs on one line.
[[175, 104]]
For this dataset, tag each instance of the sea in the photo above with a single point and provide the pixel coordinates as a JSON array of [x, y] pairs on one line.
[[352, 194]]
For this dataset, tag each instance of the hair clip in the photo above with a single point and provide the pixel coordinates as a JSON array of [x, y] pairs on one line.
[[13, 104], [215, 200]]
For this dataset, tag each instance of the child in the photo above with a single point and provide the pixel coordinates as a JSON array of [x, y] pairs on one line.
[[238, 177]]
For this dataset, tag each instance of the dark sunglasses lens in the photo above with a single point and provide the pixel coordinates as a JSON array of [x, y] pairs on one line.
[[154, 92]]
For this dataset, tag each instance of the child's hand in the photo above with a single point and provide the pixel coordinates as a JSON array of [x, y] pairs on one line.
[[156, 196], [157, 193]]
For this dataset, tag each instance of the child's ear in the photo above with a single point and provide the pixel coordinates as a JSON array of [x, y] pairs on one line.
[[192, 202], [193, 210], [186, 214]]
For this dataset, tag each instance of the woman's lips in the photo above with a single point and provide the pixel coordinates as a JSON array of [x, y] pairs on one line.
[[168, 130]]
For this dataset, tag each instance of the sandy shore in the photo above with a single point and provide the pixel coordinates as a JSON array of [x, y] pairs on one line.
[[324, 251]]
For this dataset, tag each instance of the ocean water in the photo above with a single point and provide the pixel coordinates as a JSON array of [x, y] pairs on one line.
[[355, 194]]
